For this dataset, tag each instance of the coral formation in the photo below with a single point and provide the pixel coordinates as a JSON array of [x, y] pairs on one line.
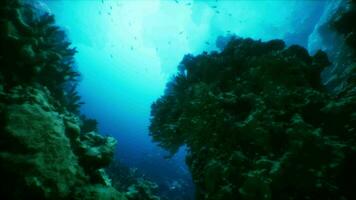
[[46, 150], [135, 184], [259, 124], [36, 51], [255, 117], [43, 153], [143, 189]]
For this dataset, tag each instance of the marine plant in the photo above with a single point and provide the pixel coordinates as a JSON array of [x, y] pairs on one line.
[[42, 52], [259, 124]]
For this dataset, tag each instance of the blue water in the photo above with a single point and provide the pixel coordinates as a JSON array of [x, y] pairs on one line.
[[127, 50]]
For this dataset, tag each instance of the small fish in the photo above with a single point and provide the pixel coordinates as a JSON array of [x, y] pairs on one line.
[[135, 38], [176, 1], [102, 1], [169, 42], [217, 12], [180, 33], [111, 56], [188, 4], [213, 7], [230, 14], [132, 48], [109, 13], [207, 43], [99, 12], [111, 7]]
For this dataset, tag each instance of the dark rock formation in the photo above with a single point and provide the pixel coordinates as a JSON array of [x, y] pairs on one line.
[[143, 189], [46, 150], [343, 22], [259, 124], [35, 51], [38, 150], [44, 154], [136, 185], [336, 35]]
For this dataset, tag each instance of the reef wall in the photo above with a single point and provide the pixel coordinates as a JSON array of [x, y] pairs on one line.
[[259, 123], [44, 154], [48, 151]]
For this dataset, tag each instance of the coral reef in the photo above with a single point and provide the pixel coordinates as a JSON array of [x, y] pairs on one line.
[[37, 150], [36, 51], [46, 150], [259, 124], [88, 125], [136, 185], [143, 189]]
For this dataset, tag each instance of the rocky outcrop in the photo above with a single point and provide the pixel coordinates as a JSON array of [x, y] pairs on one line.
[[35, 152], [143, 189], [43, 154], [35, 51], [259, 124], [335, 34]]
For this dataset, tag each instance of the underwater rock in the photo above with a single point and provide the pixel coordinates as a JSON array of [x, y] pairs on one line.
[[343, 22], [44, 154], [259, 124], [135, 184], [35, 153], [95, 192], [27, 54], [40, 52], [335, 34], [88, 125], [9, 31], [39, 150], [142, 190], [95, 150], [72, 130]]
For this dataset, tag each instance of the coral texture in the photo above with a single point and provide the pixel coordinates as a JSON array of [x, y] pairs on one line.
[[258, 124], [44, 154]]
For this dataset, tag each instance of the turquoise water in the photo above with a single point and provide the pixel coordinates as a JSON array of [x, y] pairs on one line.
[[128, 50]]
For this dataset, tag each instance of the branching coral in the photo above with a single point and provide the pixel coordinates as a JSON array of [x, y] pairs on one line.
[[259, 124]]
